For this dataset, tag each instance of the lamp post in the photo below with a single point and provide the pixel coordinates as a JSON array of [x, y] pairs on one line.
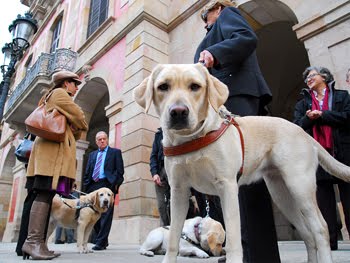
[[22, 28]]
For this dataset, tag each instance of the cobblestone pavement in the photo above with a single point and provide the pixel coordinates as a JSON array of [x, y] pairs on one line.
[[291, 252]]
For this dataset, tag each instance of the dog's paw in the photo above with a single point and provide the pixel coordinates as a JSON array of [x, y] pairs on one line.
[[147, 253], [201, 254]]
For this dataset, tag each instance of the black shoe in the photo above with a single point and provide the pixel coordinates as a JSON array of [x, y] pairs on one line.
[[334, 247], [59, 242], [19, 253], [96, 247], [222, 260]]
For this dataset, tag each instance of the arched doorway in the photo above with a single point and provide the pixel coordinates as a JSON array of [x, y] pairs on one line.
[[6, 184], [93, 99], [282, 57]]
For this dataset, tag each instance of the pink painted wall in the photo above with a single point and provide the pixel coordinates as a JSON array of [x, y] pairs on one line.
[[119, 11], [13, 199], [113, 62]]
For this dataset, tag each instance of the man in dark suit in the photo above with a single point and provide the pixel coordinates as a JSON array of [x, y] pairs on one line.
[[105, 168], [228, 51]]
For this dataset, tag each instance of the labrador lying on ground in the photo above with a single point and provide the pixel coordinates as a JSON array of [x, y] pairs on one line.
[[80, 214], [188, 100], [201, 237]]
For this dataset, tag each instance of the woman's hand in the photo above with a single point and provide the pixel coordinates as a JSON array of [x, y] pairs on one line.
[[206, 58], [314, 114]]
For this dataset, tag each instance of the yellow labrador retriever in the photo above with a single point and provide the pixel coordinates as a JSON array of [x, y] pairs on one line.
[[200, 237], [187, 99], [80, 214]]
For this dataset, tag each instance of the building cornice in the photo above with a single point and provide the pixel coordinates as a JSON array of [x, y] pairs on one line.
[[138, 19], [335, 15]]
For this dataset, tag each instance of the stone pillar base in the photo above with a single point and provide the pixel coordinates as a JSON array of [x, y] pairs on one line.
[[133, 230], [11, 233]]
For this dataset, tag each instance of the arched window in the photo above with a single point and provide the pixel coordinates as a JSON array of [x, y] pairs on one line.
[[98, 14]]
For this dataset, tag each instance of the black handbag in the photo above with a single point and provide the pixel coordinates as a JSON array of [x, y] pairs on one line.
[[24, 149]]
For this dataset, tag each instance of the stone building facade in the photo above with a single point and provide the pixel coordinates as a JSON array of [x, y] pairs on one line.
[[114, 44]]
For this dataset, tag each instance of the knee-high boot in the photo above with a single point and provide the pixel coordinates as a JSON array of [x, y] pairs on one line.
[[34, 245]]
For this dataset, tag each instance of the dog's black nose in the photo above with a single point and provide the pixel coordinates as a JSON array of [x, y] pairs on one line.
[[178, 116]]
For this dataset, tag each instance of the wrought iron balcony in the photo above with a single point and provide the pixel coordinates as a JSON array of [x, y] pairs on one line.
[[24, 97]]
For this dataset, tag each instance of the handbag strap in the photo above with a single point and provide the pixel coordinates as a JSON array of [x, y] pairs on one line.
[[47, 97]]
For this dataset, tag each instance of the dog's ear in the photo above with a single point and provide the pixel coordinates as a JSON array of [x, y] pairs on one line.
[[143, 93], [94, 198], [211, 238], [217, 91]]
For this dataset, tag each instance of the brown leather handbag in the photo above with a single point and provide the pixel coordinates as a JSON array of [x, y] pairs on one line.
[[48, 125]]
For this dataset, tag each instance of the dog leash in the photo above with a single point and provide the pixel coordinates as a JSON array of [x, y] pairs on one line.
[[197, 231]]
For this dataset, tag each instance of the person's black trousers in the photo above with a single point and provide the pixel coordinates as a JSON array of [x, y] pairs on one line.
[[259, 239], [104, 224], [23, 230], [103, 227], [327, 203], [258, 230]]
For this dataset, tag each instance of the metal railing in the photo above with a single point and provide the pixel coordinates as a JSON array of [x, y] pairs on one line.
[[46, 64]]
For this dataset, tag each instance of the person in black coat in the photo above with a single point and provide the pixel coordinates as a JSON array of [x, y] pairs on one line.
[[324, 113], [228, 51], [105, 168], [160, 178]]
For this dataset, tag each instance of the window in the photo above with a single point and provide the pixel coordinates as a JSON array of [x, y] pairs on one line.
[[98, 14], [28, 63], [56, 36]]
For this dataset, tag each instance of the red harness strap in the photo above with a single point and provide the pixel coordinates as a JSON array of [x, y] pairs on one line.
[[204, 141]]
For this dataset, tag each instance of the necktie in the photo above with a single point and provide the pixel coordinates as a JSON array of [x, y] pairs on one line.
[[96, 173]]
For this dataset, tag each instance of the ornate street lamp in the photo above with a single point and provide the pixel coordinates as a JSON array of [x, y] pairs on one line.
[[22, 28]]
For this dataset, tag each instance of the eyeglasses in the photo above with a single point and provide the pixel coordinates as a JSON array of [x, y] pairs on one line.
[[310, 77], [205, 16], [75, 83]]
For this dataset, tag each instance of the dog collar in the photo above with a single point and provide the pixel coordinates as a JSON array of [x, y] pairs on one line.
[[197, 230], [204, 141]]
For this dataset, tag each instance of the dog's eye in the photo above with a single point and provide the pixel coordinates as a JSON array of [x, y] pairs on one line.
[[163, 87], [195, 87]]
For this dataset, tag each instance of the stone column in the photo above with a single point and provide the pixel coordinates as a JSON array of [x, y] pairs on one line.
[[81, 148], [137, 213]]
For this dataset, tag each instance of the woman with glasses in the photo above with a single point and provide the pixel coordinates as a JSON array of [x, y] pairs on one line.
[[52, 165], [324, 112], [228, 51]]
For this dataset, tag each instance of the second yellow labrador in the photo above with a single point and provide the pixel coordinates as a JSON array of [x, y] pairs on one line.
[[80, 214], [200, 237], [188, 100]]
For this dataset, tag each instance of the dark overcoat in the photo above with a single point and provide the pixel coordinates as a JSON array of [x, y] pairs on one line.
[[338, 117], [232, 42], [113, 168], [55, 159]]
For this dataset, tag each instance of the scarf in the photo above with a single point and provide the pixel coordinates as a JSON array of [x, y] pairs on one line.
[[322, 133]]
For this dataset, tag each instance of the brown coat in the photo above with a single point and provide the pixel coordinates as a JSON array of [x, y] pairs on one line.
[[57, 159]]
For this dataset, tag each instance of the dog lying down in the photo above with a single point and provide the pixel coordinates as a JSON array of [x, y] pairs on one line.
[[80, 214], [205, 237], [204, 151]]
